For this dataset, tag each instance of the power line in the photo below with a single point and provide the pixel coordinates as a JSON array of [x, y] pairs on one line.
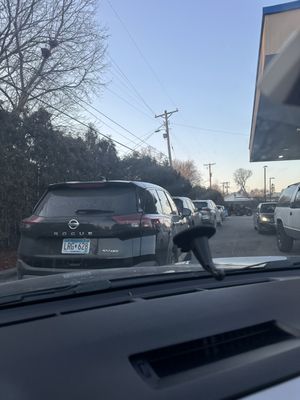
[[82, 123], [132, 86], [121, 126], [141, 54], [109, 118], [109, 126], [211, 130], [136, 145], [126, 101], [106, 116]]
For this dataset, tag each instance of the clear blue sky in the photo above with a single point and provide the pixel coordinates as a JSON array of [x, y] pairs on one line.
[[201, 57]]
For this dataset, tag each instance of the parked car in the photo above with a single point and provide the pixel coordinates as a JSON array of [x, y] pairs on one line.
[[287, 217], [209, 212], [222, 212], [183, 204], [263, 218], [80, 225]]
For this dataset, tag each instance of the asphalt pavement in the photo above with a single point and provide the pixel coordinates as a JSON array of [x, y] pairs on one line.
[[238, 238]]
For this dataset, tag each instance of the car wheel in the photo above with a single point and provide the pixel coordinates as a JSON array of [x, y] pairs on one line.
[[284, 242], [215, 223]]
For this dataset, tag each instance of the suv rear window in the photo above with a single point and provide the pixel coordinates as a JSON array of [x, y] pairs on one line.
[[71, 202], [201, 204]]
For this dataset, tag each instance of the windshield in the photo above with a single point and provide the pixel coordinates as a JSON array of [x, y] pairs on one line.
[[125, 123], [267, 208]]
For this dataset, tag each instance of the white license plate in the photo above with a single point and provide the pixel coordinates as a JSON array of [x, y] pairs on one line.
[[75, 246]]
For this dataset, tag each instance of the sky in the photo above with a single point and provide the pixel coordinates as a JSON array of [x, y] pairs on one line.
[[194, 55]]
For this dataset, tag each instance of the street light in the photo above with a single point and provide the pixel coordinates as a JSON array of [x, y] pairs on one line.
[[270, 186], [265, 181]]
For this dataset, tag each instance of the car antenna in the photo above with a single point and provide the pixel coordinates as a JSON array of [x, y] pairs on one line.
[[196, 240]]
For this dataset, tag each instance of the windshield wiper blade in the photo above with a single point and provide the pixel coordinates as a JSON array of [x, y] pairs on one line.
[[93, 211], [262, 264], [56, 291]]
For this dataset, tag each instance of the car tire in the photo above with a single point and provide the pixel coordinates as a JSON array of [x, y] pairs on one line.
[[284, 242], [215, 223]]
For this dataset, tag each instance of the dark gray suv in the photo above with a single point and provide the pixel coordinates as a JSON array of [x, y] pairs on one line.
[[87, 225]]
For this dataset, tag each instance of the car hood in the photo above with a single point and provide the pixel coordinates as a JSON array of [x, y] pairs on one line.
[[89, 276]]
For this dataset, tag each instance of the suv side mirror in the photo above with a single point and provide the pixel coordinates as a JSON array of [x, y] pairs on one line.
[[186, 212]]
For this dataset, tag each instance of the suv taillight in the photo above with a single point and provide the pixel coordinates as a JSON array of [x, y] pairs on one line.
[[134, 220], [28, 222], [150, 222]]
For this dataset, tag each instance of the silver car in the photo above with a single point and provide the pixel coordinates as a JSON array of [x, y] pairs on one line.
[[209, 211]]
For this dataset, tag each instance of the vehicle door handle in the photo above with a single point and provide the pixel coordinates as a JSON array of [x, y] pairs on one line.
[[291, 213]]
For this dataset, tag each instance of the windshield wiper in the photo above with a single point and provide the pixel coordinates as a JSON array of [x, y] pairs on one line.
[[93, 211], [56, 291]]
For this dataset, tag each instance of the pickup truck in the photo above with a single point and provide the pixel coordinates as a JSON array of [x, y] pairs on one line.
[[287, 217]]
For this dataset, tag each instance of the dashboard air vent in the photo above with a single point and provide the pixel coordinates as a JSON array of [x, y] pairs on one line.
[[181, 357]]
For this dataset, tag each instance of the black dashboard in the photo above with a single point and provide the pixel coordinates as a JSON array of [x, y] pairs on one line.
[[193, 339]]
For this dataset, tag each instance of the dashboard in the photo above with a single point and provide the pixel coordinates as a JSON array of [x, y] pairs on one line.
[[193, 339]]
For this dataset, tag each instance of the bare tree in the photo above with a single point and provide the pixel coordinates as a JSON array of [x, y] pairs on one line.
[[188, 170], [241, 176], [50, 51]]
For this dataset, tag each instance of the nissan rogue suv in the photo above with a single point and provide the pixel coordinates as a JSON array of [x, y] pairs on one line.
[[86, 225]]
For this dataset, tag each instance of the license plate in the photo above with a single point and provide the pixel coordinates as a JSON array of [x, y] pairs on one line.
[[75, 246]]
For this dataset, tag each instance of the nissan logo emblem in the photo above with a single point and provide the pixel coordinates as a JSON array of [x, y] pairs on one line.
[[73, 224]]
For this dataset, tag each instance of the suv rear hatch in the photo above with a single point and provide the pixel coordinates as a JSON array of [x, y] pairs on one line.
[[78, 224]]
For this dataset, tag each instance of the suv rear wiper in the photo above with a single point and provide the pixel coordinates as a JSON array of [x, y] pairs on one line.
[[93, 211]]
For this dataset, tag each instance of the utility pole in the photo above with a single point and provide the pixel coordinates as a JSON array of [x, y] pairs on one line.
[[209, 165], [270, 187], [166, 115], [225, 186], [265, 182]]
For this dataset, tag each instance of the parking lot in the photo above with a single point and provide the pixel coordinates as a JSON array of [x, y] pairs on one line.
[[237, 238]]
